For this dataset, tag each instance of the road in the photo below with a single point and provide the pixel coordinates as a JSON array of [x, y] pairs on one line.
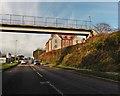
[[36, 79]]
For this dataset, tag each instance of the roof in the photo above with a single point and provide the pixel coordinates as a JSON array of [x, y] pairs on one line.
[[64, 36]]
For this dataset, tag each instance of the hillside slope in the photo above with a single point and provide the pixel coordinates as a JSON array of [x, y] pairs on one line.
[[99, 53]]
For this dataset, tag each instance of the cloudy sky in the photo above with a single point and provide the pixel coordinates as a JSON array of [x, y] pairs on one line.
[[27, 43]]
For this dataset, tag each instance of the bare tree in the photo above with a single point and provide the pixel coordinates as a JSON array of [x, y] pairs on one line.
[[103, 28]]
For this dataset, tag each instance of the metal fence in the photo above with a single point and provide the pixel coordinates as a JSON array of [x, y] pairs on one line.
[[43, 21]]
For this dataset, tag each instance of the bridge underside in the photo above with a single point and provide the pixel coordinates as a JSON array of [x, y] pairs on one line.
[[43, 29]]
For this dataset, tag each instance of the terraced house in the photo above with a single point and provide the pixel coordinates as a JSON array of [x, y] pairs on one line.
[[58, 41]]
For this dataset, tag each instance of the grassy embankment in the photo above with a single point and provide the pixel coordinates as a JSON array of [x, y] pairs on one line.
[[8, 65], [99, 56]]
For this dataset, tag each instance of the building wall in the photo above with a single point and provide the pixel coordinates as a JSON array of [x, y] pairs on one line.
[[66, 43], [47, 46], [50, 45], [56, 42], [76, 40]]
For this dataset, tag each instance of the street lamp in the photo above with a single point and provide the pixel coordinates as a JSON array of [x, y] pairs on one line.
[[38, 55], [90, 21], [38, 52], [15, 49]]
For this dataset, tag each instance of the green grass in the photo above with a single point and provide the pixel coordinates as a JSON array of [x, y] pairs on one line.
[[100, 74], [107, 75], [96, 55], [7, 65]]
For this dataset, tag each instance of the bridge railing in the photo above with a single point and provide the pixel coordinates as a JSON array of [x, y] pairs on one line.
[[43, 21]]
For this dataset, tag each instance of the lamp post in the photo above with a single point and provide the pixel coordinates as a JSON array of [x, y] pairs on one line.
[[90, 20], [38, 52], [15, 49], [38, 55]]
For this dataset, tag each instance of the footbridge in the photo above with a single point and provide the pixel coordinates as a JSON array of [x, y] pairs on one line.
[[34, 24]]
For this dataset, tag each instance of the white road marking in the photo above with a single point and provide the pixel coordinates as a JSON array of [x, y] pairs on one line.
[[33, 69], [10, 71], [55, 88], [39, 74], [45, 82]]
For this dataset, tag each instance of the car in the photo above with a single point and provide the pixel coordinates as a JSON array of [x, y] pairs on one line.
[[23, 62], [36, 62]]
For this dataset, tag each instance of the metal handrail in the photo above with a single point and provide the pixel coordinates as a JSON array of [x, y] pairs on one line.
[[42, 21]]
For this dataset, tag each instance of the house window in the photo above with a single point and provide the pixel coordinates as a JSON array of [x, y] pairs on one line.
[[76, 41], [55, 40], [66, 41], [69, 37], [63, 36], [55, 46]]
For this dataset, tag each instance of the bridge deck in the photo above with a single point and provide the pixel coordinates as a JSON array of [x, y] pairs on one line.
[[49, 25], [43, 29]]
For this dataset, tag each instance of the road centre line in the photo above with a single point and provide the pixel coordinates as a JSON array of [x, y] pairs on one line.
[[33, 69], [55, 88], [45, 82], [48, 82], [39, 74]]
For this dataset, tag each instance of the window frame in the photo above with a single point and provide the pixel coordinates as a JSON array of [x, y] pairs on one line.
[[55, 46], [56, 41]]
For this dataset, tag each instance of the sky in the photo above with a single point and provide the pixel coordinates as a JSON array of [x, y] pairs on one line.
[[26, 43]]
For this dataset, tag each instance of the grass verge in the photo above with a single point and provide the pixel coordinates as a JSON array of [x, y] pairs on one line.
[[105, 75], [7, 65]]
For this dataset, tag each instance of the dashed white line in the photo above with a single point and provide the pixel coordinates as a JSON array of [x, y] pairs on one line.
[[55, 88], [47, 82], [33, 69], [39, 74]]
